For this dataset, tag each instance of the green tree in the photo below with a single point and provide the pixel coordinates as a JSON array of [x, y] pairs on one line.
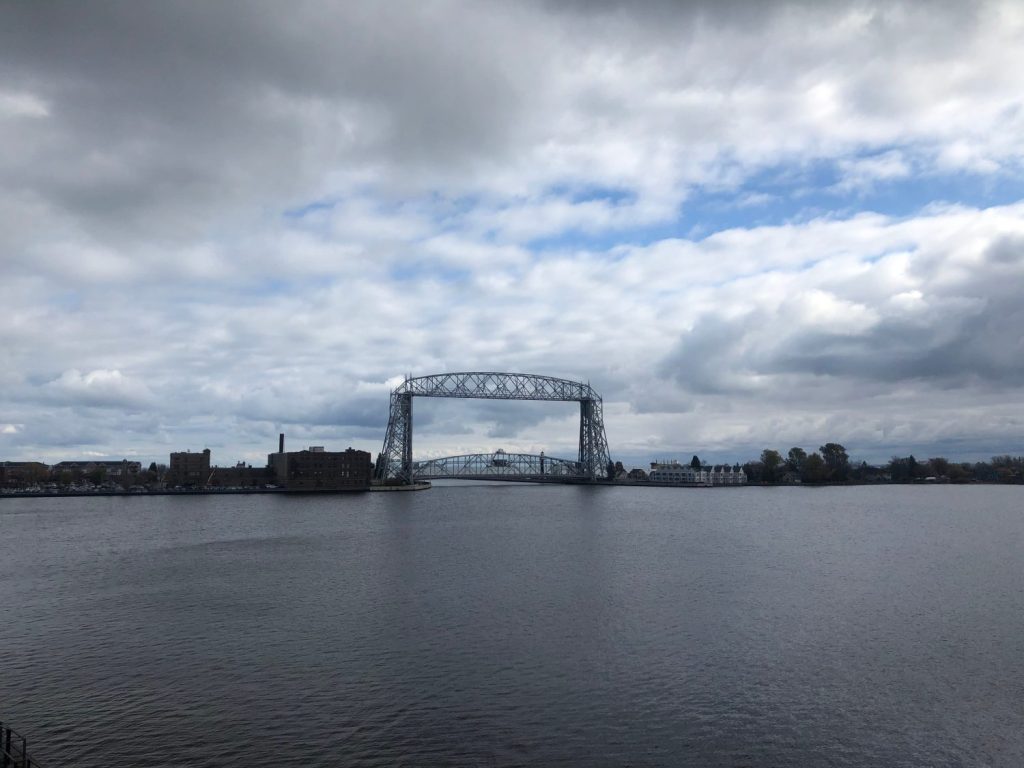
[[1009, 469], [913, 466], [795, 459], [835, 458], [815, 469], [899, 469], [985, 472], [1005, 460], [957, 473], [771, 460], [755, 471], [695, 462]]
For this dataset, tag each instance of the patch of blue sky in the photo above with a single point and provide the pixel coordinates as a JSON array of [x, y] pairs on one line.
[[905, 197], [416, 270], [788, 194], [586, 193], [70, 301], [314, 208], [309, 209], [769, 197], [271, 286], [449, 213], [604, 240]]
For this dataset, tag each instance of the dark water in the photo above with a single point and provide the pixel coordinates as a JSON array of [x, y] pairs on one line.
[[519, 625]]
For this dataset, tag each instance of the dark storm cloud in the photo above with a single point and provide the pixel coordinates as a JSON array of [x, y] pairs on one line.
[[196, 66], [971, 334], [705, 359], [1006, 251], [664, 16], [166, 108], [981, 348]]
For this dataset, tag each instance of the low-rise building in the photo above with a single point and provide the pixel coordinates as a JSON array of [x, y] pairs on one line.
[[110, 470], [728, 474], [674, 472], [240, 476], [706, 474], [17, 474]]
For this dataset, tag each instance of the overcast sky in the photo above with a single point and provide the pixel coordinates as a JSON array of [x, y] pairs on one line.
[[746, 224]]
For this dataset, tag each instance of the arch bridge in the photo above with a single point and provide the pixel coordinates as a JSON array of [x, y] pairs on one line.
[[500, 466], [395, 462]]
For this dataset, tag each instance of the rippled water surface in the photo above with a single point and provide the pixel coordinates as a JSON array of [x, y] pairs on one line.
[[518, 625]]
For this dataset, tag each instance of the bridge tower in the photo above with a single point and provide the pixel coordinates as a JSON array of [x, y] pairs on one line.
[[395, 461]]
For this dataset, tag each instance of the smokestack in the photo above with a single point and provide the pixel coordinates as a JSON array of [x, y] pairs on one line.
[[280, 443]]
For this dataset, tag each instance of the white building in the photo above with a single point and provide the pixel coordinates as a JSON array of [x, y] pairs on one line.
[[707, 474], [728, 474]]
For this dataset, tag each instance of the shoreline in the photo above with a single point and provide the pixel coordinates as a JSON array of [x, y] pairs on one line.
[[190, 492], [422, 486]]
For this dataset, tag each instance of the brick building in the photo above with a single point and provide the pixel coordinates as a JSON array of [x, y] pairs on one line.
[[240, 476], [319, 470], [189, 470], [17, 474], [112, 470]]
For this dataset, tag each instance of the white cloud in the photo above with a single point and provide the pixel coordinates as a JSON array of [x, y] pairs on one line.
[[99, 388], [15, 104], [862, 173], [234, 241]]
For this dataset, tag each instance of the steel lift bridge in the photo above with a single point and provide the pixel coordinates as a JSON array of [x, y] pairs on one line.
[[395, 462]]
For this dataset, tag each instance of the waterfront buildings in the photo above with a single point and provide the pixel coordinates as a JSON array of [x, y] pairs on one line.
[[706, 474], [28, 474], [314, 469], [111, 470]]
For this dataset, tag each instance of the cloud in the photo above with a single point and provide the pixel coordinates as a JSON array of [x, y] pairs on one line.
[[508, 102], [15, 105], [740, 221], [933, 326], [863, 173], [99, 388]]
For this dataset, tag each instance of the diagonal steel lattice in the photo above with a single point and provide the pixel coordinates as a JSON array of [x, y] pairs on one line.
[[395, 462]]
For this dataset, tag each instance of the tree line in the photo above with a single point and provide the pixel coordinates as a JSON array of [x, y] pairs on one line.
[[831, 464]]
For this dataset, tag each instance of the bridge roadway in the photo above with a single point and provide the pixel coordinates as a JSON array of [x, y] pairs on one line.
[[509, 467]]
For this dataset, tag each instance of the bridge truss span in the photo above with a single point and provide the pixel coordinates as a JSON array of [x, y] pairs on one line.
[[498, 466], [396, 463], [497, 386]]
